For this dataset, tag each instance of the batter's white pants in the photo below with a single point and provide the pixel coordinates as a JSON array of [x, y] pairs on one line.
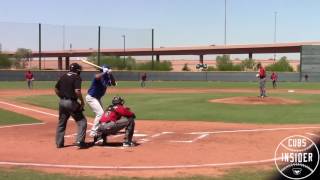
[[96, 107]]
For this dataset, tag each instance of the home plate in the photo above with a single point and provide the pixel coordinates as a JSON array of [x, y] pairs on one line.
[[291, 91], [139, 135]]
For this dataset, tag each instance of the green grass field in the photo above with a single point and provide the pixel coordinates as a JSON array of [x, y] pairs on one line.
[[168, 84], [22, 174], [196, 107], [8, 118], [193, 107]]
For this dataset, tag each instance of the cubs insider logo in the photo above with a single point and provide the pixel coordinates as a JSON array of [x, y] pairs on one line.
[[297, 157]]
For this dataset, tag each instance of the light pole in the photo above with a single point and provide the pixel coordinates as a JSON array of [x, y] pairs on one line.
[[63, 37], [124, 49], [225, 22], [275, 32]]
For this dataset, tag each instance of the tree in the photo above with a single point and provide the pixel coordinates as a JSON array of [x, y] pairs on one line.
[[114, 61], [185, 67], [22, 56], [5, 61], [248, 64], [280, 66], [224, 63]]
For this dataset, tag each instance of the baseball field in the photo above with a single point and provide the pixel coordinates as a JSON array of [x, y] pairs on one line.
[[184, 130]]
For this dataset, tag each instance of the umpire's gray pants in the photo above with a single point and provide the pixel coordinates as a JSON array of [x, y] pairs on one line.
[[69, 108], [113, 127]]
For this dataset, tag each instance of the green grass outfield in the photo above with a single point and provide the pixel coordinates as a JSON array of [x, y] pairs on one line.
[[195, 107], [21, 174], [169, 84], [9, 118]]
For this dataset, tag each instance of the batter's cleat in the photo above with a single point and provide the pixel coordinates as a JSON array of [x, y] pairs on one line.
[[129, 144]]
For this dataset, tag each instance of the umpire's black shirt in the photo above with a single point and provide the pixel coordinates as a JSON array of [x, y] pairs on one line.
[[67, 85]]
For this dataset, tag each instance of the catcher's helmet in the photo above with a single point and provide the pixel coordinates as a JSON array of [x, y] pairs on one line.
[[76, 68], [117, 100]]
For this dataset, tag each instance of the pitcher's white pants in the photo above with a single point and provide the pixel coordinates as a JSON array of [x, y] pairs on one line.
[[96, 106]]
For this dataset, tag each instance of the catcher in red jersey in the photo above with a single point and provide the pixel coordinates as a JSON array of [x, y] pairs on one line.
[[116, 117]]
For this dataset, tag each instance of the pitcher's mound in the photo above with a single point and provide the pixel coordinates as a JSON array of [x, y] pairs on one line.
[[255, 100]]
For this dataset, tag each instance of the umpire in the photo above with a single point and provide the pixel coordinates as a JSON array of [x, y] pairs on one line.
[[68, 88]]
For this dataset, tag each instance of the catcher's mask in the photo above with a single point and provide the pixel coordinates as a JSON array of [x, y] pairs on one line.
[[117, 100], [76, 68]]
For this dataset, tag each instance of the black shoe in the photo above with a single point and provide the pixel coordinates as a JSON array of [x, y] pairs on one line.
[[60, 146], [82, 145]]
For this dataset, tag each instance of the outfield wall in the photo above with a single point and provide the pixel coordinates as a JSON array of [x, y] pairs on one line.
[[310, 62], [13, 75]]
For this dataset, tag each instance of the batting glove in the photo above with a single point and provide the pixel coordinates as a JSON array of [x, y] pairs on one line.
[[105, 70]]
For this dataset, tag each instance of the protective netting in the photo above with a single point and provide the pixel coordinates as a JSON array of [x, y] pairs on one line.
[[70, 37]]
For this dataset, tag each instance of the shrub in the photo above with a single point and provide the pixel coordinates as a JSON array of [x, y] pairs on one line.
[[211, 68], [115, 62], [280, 66], [248, 64], [158, 66], [225, 64], [5, 61], [236, 67], [129, 63]]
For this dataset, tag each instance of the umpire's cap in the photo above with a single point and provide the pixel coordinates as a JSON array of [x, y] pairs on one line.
[[76, 68]]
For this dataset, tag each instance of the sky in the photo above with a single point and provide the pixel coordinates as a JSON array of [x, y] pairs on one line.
[[175, 22]]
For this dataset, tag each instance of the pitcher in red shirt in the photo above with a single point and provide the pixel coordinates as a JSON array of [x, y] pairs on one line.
[[116, 117], [29, 79], [274, 78], [262, 80]]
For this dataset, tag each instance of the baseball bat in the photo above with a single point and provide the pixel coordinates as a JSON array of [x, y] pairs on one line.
[[91, 64]]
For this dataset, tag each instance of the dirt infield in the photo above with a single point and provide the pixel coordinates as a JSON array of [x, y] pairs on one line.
[[166, 148], [256, 101]]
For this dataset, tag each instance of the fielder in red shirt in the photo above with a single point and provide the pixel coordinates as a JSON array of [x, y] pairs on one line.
[[29, 79], [116, 117], [274, 78]]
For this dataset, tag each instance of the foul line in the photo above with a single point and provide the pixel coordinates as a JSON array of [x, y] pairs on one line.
[[137, 167], [18, 125], [29, 109], [34, 110]]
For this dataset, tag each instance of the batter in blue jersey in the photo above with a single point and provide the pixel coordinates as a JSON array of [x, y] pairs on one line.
[[97, 90]]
